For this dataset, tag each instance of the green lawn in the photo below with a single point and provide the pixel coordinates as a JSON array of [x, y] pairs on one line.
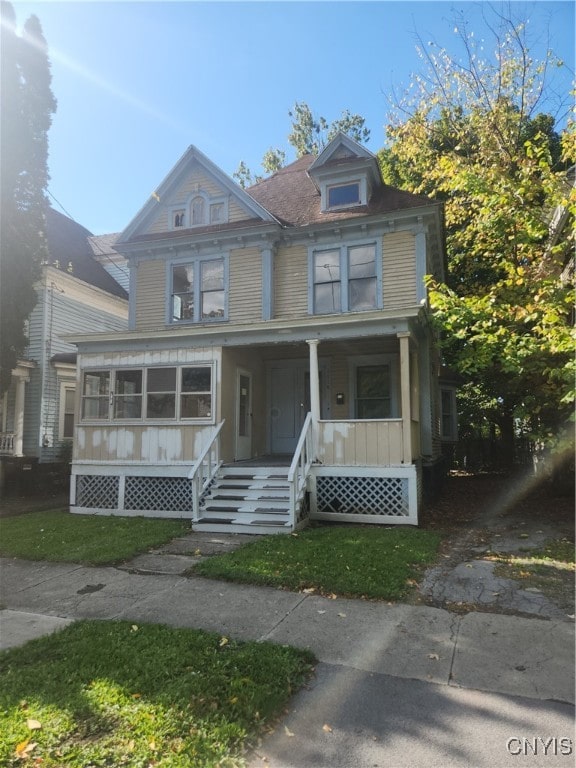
[[120, 694], [367, 561], [91, 539]]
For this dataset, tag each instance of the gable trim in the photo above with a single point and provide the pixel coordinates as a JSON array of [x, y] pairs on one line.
[[191, 155]]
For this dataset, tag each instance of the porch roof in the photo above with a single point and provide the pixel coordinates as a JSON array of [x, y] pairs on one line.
[[380, 323]]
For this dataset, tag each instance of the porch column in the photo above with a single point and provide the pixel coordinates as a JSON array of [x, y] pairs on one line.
[[19, 415], [314, 388], [404, 339]]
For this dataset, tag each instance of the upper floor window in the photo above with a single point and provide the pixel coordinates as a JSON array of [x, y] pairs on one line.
[[178, 218], [148, 393], [345, 279], [344, 194], [197, 211], [199, 290]]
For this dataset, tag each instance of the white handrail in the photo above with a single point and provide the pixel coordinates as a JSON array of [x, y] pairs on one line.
[[204, 469], [300, 466]]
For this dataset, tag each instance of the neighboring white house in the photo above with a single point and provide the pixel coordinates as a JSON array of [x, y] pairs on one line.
[[280, 362], [75, 294]]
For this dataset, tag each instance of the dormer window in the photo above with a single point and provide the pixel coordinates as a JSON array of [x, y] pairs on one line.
[[341, 195]]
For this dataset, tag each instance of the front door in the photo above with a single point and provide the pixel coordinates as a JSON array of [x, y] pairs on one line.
[[243, 415], [289, 392]]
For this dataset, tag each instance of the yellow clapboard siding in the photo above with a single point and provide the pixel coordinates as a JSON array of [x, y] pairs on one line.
[[245, 300], [291, 282], [399, 270], [150, 294]]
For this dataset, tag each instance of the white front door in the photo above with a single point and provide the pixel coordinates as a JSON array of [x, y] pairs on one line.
[[243, 415]]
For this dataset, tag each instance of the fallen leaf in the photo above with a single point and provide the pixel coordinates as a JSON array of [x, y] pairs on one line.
[[434, 656], [309, 590], [332, 596], [197, 552], [34, 725], [468, 565], [321, 612], [326, 728], [223, 641], [342, 615], [134, 628], [287, 731]]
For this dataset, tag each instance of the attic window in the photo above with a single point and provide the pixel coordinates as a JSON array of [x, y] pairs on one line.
[[344, 194], [178, 219]]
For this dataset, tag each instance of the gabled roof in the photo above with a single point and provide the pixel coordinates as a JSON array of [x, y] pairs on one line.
[[192, 156], [292, 197], [69, 247]]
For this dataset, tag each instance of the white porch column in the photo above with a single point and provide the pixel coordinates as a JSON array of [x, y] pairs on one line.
[[405, 396], [19, 415], [314, 388]]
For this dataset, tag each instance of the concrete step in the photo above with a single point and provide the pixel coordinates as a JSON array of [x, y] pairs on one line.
[[234, 526]]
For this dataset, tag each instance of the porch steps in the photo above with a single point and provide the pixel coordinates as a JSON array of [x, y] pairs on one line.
[[247, 500]]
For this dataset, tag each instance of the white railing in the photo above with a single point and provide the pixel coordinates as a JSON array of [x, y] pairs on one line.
[[300, 467], [7, 443], [204, 469]]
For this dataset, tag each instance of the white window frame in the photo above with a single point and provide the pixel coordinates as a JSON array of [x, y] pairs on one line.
[[66, 386], [327, 184], [362, 361], [343, 248], [195, 263], [143, 418]]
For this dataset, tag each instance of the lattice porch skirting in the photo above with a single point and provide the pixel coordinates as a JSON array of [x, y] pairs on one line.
[[151, 491], [381, 495]]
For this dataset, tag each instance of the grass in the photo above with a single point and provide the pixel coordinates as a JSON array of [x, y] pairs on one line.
[[119, 694], [549, 569], [61, 536], [370, 562]]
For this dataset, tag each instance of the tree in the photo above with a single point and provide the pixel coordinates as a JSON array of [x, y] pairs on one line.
[[26, 115], [309, 136], [474, 136]]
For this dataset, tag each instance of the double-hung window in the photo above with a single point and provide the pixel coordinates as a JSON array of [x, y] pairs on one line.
[[198, 290], [149, 394], [345, 279]]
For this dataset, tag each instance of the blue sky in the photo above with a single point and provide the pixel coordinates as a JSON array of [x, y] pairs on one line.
[[138, 82]]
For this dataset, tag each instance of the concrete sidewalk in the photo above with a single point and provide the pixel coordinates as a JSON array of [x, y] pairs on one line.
[[451, 689]]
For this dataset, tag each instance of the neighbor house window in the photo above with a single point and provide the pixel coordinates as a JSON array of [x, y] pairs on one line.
[[149, 394], [198, 290], [67, 400], [345, 279]]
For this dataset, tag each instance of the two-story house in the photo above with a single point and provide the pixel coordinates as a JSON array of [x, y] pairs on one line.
[[75, 293], [280, 362]]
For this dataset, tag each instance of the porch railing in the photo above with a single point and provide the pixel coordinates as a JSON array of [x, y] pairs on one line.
[[300, 467], [204, 469], [7, 443]]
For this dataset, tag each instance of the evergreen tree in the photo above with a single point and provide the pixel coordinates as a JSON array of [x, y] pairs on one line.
[[26, 115]]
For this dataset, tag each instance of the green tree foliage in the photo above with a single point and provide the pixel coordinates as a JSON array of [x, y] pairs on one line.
[[473, 135], [26, 116], [308, 136]]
